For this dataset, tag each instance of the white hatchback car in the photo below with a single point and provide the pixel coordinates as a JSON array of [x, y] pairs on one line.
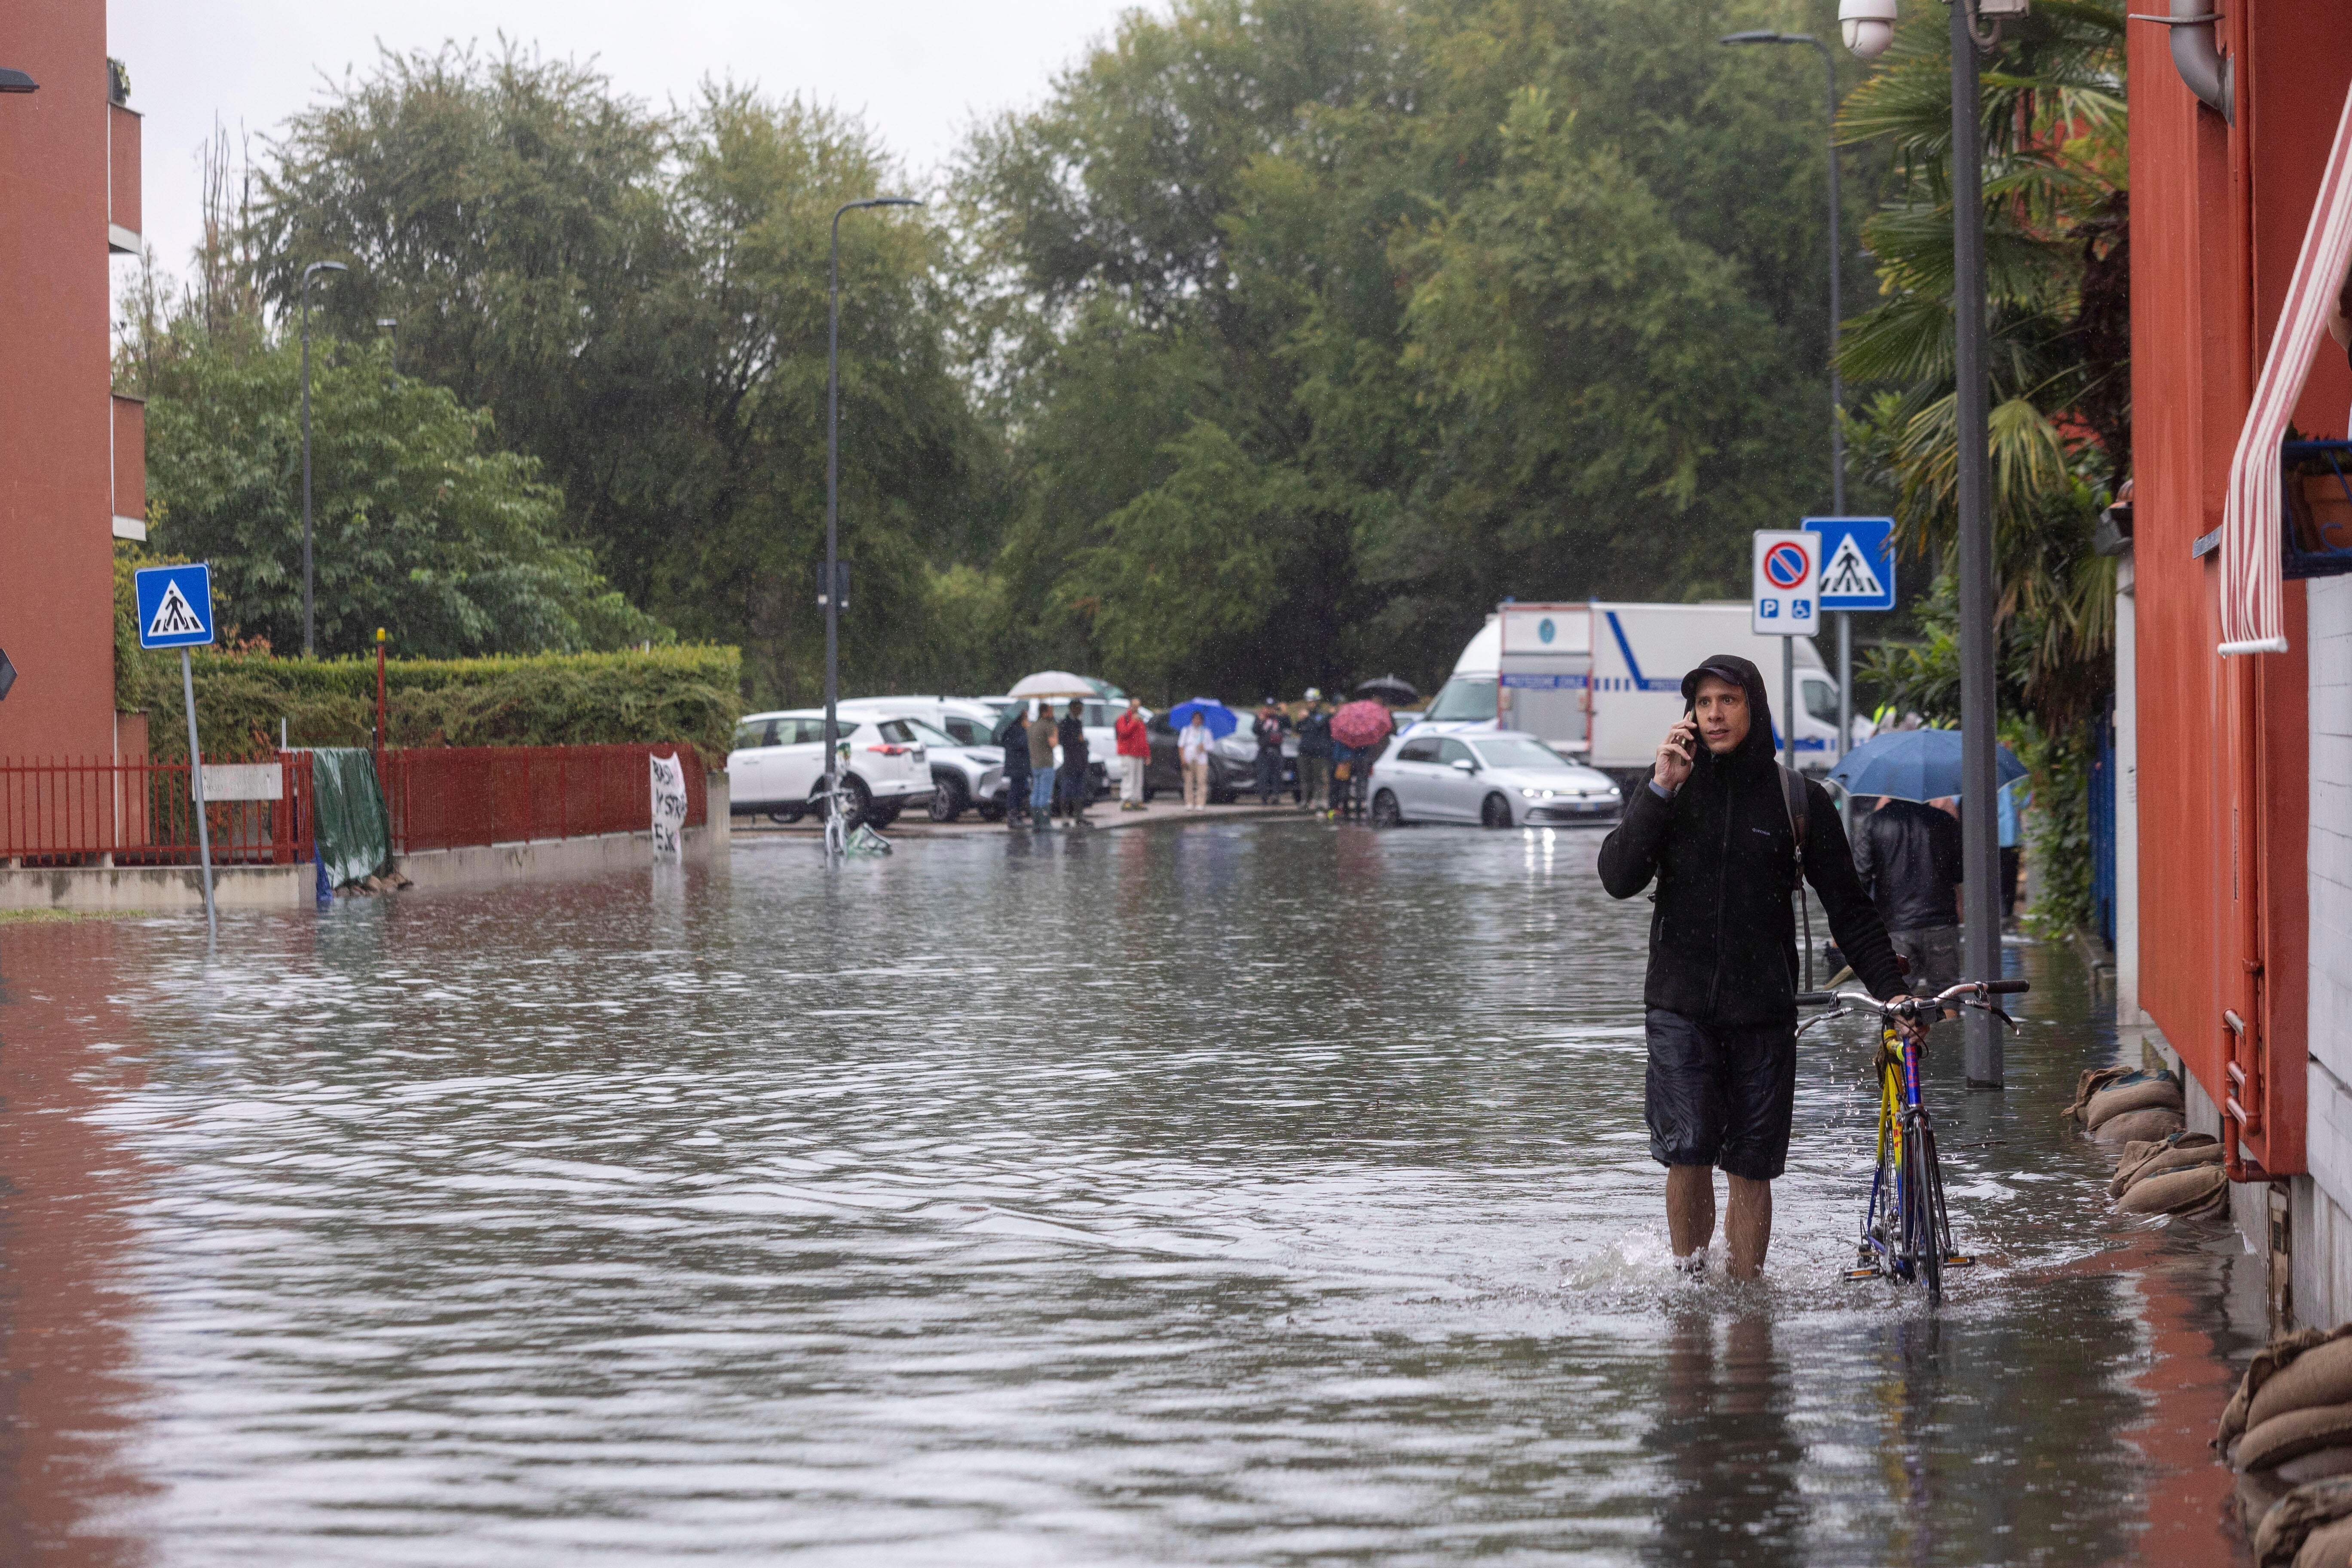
[[778, 766], [1500, 778]]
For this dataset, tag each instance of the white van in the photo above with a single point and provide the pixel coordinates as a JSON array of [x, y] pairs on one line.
[[1629, 686]]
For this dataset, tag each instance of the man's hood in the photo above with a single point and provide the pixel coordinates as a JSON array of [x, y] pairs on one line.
[[1756, 749]]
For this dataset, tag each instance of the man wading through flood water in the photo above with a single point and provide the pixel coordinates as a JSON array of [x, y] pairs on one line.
[[1716, 827]]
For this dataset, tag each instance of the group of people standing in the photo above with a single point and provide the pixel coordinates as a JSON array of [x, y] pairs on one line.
[[1037, 789]]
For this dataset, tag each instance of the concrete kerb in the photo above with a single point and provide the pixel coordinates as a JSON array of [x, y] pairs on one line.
[[1102, 817]]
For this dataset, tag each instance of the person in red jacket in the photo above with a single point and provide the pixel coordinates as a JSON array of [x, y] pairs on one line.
[[1134, 754]]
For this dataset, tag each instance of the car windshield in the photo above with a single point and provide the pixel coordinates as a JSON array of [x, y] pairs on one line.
[[1821, 700], [1519, 753], [926, 734], [1463, 699]]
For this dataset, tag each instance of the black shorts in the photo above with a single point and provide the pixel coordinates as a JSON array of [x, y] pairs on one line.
[[1719, 1097]]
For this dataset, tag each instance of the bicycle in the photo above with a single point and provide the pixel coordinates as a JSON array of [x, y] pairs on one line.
[[1907, 1232]]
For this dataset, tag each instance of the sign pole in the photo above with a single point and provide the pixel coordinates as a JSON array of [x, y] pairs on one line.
[[1788, 703], [196, 780]]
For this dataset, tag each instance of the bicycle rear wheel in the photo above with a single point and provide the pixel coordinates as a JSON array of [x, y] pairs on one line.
[[1925, 1244]]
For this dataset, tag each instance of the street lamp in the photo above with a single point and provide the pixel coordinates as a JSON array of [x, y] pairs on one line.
[[1869, 28], [833, 513], [1837, 381], [309, 626]]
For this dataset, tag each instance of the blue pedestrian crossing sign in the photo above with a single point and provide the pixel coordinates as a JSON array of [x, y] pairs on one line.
[[175, 605], [1857, 561]]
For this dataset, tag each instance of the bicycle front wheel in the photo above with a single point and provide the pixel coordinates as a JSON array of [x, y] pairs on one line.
[[1923, 1241]]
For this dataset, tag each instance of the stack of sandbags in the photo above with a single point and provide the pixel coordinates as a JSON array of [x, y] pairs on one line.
[[2120, 1105], [2181, 1174], [2288, 1432]]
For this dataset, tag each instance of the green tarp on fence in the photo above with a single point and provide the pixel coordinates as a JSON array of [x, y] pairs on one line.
[[354, 826]]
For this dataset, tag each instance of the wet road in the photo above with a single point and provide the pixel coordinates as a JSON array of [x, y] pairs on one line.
[[1264, 1193]]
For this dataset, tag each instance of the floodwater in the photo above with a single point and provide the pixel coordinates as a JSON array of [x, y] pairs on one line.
[[1236, 1194]]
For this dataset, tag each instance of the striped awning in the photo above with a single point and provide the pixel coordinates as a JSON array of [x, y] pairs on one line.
[[2252, 527]]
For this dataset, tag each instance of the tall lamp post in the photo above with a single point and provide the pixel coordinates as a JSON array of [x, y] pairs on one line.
[[831, 584], [1869, 26], [1837, 381], [309, 640]]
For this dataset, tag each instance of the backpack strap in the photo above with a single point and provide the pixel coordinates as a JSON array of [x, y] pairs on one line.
[[1792, 800]]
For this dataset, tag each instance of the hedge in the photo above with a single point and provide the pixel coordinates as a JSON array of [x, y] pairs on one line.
[[675, 693]]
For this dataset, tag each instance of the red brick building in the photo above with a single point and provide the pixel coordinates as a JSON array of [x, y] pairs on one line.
[[2234, 808], [72, 455]]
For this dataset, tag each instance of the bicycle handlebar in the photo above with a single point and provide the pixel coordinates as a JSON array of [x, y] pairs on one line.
[[1976, 994]]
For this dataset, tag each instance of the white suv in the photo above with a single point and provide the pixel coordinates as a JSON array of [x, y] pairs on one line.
[[778, 766], [967, 766]]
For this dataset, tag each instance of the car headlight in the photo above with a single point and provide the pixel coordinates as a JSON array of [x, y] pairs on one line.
[[1537, 794]]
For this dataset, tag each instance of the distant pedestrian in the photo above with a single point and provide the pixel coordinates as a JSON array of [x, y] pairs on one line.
[[1041, 768], [1314, 752], [1073, 736], [2013, 842], [1344, 761], [1011, 733], [1192, 742], [1908, 858], [1134, 755], [1268, 731]]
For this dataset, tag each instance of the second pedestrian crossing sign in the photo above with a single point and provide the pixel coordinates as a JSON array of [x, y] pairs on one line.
[[1857, 561]]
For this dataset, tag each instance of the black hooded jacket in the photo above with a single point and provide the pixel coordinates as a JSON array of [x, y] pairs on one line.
[[1723, 939]]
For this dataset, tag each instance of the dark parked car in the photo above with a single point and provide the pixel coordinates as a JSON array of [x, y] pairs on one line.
[[1232, 764]]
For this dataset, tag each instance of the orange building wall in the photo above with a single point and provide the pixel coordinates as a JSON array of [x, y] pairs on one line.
[[2218, 219], [56, 393]]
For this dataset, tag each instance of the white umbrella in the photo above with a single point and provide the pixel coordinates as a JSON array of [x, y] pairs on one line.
[[1052, 683]]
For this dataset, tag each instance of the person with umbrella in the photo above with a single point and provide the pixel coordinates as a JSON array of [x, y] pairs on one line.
[[1314, 752], [1013, 735], [1908, 858], [1728, 834], [1072, 736], [1357, 731], [1041, 768], [1192, 744]]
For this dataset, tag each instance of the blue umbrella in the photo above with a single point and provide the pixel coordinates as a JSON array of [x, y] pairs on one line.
[[1222, 719], [1914, 764]]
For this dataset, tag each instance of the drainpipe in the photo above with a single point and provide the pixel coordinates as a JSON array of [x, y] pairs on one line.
[[2197, 55]]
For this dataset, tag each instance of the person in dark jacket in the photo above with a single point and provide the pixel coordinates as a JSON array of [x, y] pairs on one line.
[[1314, 752], [1267, 731], [1909, 859], [1712, 827], [1013, 735], [1072, 736]]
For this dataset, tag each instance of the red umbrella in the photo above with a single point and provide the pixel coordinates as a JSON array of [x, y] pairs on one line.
[[1361, 724]]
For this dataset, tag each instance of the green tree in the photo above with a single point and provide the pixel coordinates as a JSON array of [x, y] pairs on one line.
[[421, 524], [640, 300], [1350, 317]]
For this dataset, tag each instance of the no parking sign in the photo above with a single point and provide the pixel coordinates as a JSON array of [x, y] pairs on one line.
[[1787, 582]]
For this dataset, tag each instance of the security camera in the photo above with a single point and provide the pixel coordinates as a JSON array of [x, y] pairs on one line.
[[1868, 26]]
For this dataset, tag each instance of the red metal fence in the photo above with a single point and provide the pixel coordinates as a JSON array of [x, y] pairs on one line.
[[140, 813], [447, 796]]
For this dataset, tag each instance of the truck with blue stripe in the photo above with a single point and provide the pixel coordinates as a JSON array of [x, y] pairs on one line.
[[1602, 679]]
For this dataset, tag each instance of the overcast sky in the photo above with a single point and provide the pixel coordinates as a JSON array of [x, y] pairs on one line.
[[919, 71]]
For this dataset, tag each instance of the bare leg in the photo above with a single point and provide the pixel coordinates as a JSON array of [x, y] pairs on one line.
[[1690, 1209], [1747, 1227]]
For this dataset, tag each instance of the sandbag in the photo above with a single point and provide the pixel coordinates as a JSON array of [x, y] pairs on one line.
[[2200, 1189], [2093, 1080], [2148, 1125], [2316, 1466], [2279, 1538], [2329, 1546], [2268, 1362], [2136, 1092], [2177, 1152], [2320, 1375], [2294, 1434]]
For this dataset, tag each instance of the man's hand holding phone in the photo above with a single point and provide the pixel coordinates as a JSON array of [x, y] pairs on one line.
[[1675, 754]]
